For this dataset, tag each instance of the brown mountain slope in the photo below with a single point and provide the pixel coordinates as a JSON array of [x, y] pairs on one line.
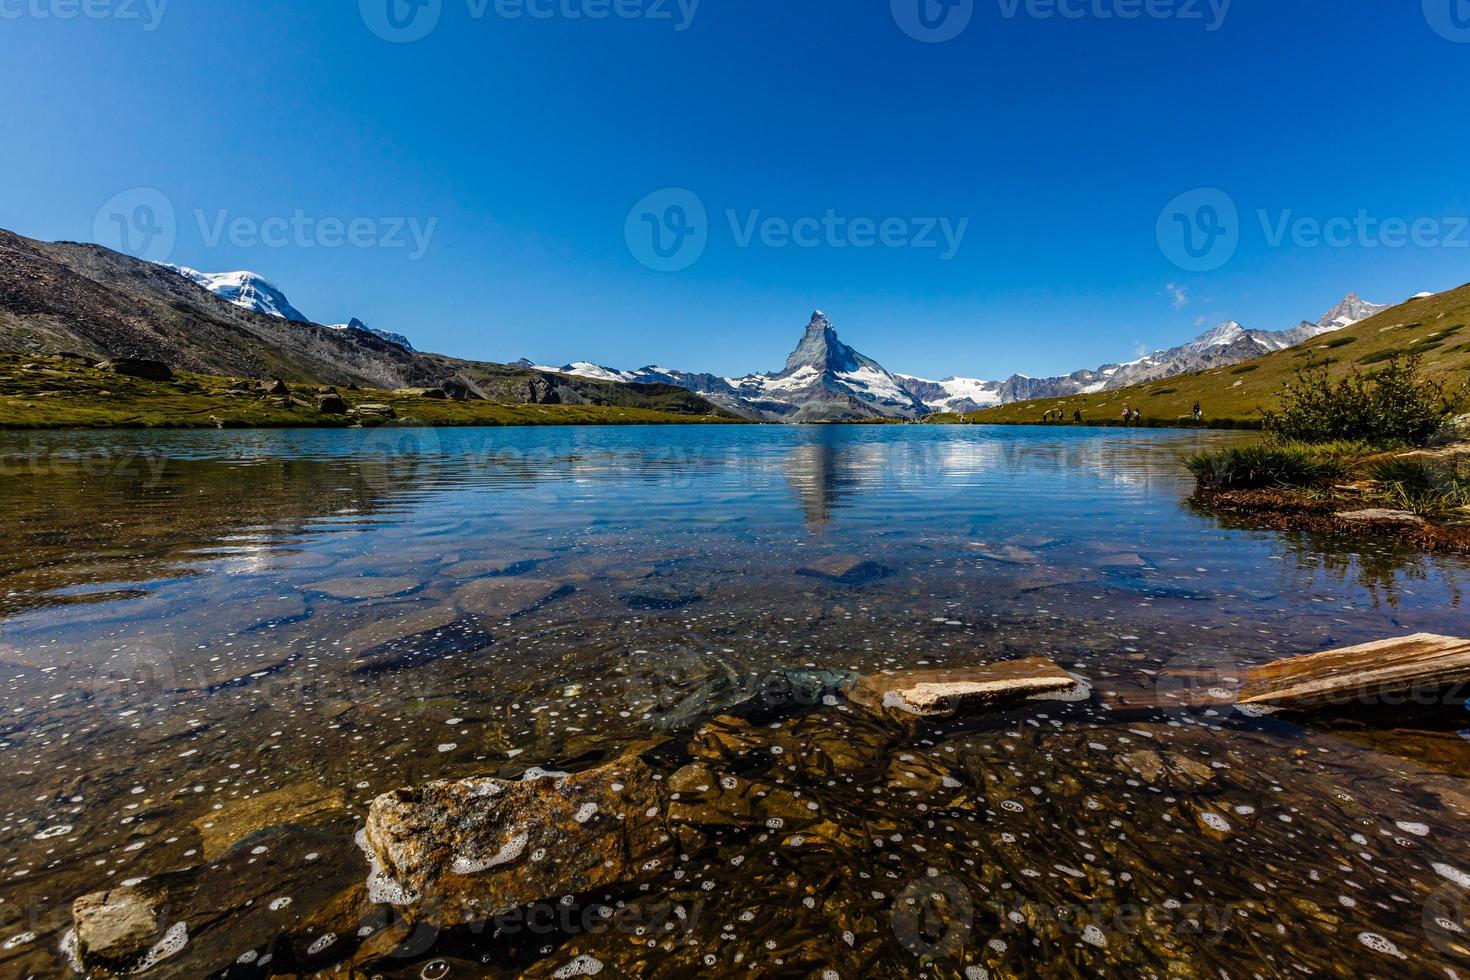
[[58, 297]]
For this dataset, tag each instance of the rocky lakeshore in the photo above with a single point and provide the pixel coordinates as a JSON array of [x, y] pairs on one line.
[[980, 840]]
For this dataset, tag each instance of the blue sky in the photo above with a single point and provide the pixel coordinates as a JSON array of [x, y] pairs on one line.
[[520, 147]]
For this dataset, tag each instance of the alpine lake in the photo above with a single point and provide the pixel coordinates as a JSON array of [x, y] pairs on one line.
[[218, 648]]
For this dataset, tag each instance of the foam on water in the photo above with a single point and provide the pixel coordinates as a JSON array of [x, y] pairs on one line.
[[509, 851], [582, 966]]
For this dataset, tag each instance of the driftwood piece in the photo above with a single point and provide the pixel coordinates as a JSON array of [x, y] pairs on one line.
[[951, 690], [1373, 673], [1385, 673]]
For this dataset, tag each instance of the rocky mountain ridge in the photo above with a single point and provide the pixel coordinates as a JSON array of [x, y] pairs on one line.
[[98, 304], [825, 379]]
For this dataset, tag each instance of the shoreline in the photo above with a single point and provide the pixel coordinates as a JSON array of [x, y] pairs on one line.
[[1280, 509]]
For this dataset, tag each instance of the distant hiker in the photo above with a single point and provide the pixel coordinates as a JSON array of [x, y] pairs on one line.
[[1077, 416], [1199, 412], [1127, 414]]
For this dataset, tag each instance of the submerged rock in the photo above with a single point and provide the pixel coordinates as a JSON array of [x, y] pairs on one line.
[[365, 587], [399, 622], [845, 569], [116, 929], [304, 803], [467, 850], [951, 690], [502, 598], [237, 910], [653, 598]]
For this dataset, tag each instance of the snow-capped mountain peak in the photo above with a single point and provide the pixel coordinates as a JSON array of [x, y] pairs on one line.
[[1226, 333], [244, 289], [392, 338], [826, 379]]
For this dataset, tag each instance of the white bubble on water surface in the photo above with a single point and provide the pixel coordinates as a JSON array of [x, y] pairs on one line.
[[581, 966], [1214, 821], [175, 938], [1452, 873], [1379, 944], [509, 851]]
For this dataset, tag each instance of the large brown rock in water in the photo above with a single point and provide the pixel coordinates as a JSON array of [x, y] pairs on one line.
[[464, 851], [952, 690]]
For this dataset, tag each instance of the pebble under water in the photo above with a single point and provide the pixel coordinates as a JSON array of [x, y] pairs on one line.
[[217, 648]]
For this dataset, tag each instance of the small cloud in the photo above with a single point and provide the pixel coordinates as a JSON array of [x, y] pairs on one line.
[[1140, 348], [1178, 294], [1201, 320]]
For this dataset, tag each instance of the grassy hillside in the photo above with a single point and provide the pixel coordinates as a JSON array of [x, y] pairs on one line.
[[1235, 396], [56, 392]]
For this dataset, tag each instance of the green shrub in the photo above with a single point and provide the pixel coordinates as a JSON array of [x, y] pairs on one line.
[[1341, 342], [1423, 486], [1163, 391], [1270, 464], [1381, 356], [1391, 406], [1246, 369]]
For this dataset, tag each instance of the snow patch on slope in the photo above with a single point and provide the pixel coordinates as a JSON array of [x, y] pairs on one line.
[[244, 289]]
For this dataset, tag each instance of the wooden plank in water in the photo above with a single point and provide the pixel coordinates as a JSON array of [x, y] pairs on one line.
[[949, 690], [1388, 673], [1373, 673]]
